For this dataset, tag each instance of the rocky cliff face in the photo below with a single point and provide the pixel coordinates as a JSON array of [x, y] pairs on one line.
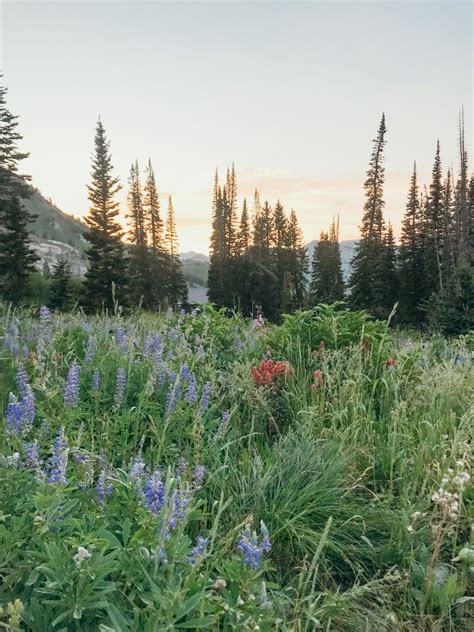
[[51, 251]]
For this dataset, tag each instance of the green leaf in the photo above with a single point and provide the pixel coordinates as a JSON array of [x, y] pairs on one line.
[[126, 527], [118, 619], [201, 622], [188, 606]]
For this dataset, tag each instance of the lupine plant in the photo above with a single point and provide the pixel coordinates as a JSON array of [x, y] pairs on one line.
[[200, 472]]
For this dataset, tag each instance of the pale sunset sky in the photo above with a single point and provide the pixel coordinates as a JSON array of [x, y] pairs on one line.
[[291, 92]]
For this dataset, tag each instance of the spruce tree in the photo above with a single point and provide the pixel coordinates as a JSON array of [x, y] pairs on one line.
[[152, 212], [106, 277], [327, 284], [176, 289], [434, 228], [17, 258], [136, 214], [61, 293], [154, 236], [463, 245], [140, 274], [297, 259], [389, 279], [244, 230], [366, 284], [411, 256], [230, 206], [216, 290]]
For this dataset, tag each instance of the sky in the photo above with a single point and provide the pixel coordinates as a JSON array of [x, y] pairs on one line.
[[291, 92]]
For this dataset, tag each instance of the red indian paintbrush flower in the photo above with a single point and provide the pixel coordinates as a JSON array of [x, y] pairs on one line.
[[318, 377], [268, 371]]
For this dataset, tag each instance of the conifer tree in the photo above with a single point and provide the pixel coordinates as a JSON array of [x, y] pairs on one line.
[[216, 289], [327, 284], [106, 277], [61, 293], [298, 259], [157, 259], [244, 230], [448, 238], [365, 282], [434, 228], [411, 256], [462, 241], [140, 272], [282, 254], [389, 279], [152, 211], [256, 210], [230, 206], [136, 214], [17, 258], [176, 289], [264, 236]]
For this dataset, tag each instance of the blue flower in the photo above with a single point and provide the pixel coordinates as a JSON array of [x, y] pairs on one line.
[[33, 461], [154, 492], [95, 384], [205, 397], [181, 467], [137, 469], [185, 373], [59, 459], [71, 390], [198, 551], [14, 415], [103, 488], [90, 350], [192, 392], [20, 414], [224, 423], [120, 386], [198, 476], [44, 314], [121, 339], [251, 548], [22, 380], [28, 404], [174, 393]]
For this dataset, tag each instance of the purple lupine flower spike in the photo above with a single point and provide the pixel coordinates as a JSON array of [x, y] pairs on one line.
[[205, 397], [95, 384], [120, 386], [71, 390], [199, 550], [198, 476], [59, 459]]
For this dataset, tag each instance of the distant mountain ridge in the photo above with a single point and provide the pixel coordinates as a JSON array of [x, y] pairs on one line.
[[59, 235]]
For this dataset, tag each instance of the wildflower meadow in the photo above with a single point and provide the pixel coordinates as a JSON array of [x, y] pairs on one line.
[[198, 471]]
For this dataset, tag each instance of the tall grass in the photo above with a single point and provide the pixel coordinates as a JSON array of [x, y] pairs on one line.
[[340, 466]]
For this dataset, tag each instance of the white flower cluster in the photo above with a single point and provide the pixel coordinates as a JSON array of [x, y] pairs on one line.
[[415, 516], [454, 480], [81, 555]]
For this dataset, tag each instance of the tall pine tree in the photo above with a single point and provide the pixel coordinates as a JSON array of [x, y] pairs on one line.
[[366, 283], [140, 273], [434, 228], [327, 284], [176, 289], [157, 259], [411, 256], [17, 257], [106, 277]]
